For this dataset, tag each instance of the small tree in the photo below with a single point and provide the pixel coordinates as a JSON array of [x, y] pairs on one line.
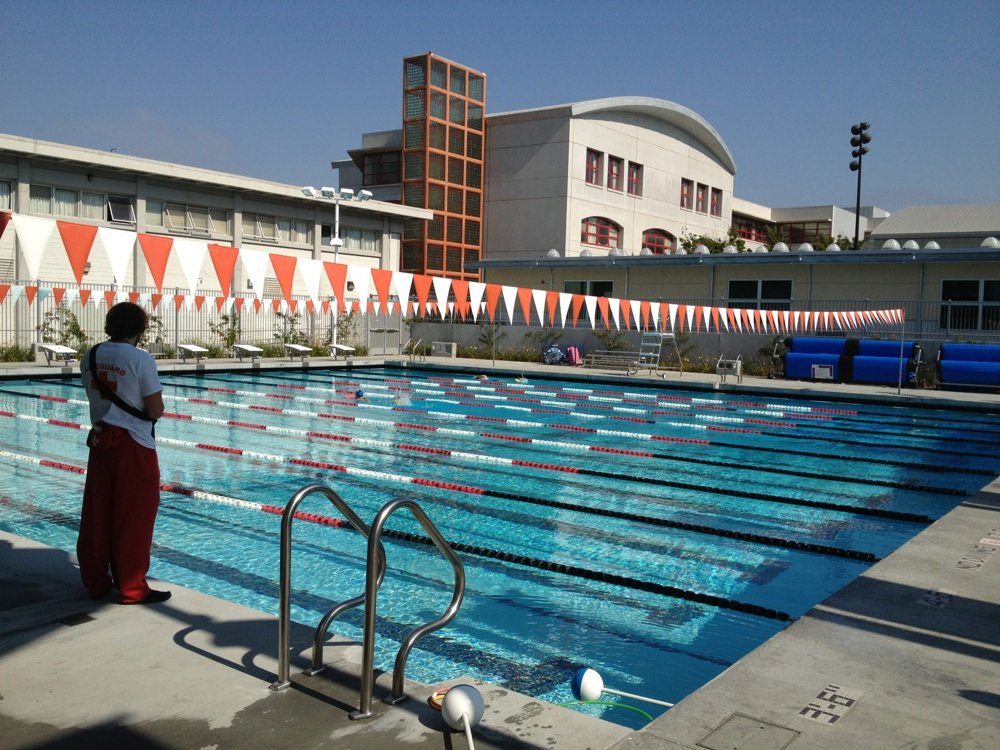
[[61, 326], [545, 337], [290, 333], [154, 332], [228, 329], [612, 340]]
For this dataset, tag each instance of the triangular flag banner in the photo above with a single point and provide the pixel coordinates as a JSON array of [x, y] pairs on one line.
[[156, 250], [565, 304], [510, 295], [493, 292], [118, 246], [224, 260], [402, 283], [4, 220], [336, 274], [361, 277], [255, 264], [78, 239], [590, 302], [461, 290], [311, 273], [476, 291], [284, 270], [191, 254], [33, 235], [603, 303], [577, 307], [383, 282], [615, 307], [441, 288], [422, 286], [4, 288], [551, 300]]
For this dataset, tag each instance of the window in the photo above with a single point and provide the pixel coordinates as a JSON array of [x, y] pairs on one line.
[[763, 294], [383, 169], [716, 202], [121, 210], [596, 230], [814, 232], [592, 288], [365, 240], [458, 81], [475, 87], [456, 171], [456, 200], [256, 227], [635, 179], [972, 305], [750, 229], [456, 141], [413, 165], [456, 110], [658, 240], [5, 192], [473, 175], [615, 168], [687, 189], [438, 104], [180, 218], [594, 160], [293, 230], [701, 199], [54, 201]]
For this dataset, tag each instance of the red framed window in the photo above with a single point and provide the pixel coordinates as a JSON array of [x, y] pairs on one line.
[[687, 191], [658, 240], [716, 202], [594, 159], [616, 167], [635, 179], [701, 199], [596, 230]]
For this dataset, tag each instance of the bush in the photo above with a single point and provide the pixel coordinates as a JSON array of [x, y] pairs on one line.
[[15, 353]]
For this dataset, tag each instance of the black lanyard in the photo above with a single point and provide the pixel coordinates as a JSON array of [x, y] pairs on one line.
[[110, 394]]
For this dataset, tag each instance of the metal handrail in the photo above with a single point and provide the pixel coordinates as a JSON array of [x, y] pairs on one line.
[[413, 347], [371, 590], [375, 568]]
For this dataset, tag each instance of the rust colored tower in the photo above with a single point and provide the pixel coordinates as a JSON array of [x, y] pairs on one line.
[[443, 126]]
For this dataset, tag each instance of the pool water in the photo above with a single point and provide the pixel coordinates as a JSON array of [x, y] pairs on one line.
[[654, 534]]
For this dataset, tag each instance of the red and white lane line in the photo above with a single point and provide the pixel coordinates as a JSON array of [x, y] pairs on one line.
[[177, 489], [714, 419]]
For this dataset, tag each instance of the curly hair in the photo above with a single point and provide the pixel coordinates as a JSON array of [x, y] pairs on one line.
[[125, 320]]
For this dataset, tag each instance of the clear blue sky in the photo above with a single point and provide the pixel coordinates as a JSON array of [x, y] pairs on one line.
[[279, 89]]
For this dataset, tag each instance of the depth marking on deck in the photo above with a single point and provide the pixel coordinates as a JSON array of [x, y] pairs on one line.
[[831, 704], [936, 597], [981, 552]]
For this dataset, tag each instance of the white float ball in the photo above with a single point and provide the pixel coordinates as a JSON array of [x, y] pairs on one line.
[[587, 685], [462, 700]]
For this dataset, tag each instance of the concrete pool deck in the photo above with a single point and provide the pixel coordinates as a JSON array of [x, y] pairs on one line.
[[906, 656]]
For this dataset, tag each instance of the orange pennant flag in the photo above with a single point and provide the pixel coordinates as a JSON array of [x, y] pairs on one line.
[[59, 293], [284, 269], [239, 304], [422, 286], [109, 298], [337, 274], [493, 292], [154, 299], [156, 250], [382, 279], [30, 292], [199, 300], [578, 300], [219, 302], [551, 301], [602, 305], [524, 298], [224, 260], [78, 239], [461, 290], [84, 297]]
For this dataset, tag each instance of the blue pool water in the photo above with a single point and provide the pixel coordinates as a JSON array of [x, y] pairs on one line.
[[656, 535]]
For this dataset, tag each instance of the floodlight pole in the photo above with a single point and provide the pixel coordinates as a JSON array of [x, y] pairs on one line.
[[859, 137]]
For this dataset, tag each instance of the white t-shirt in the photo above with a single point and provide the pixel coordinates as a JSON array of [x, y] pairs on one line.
[[131, 374]]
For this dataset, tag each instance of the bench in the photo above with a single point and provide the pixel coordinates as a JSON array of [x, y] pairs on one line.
[[969, 365], [611, 359], [344, 349], [297, 350], [880, 362], [247, 350], [816, 358], [57, 352], [192, 350]]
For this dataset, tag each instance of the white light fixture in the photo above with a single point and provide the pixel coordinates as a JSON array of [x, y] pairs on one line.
[[310, 192], [364, 195], [328, 192], [346, 194]]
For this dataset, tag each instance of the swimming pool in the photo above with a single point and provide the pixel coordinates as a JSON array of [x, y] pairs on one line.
[[654, 534]]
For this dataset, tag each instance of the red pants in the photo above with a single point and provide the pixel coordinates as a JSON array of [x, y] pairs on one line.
[[120, 501]]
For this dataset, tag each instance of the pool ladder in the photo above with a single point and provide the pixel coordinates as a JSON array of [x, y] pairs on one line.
[[412, 348], [374, 574]]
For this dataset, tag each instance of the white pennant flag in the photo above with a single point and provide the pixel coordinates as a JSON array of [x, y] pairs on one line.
[[614, 307], [255, 264], [311, 272], [361, 277], [191, 254], [33, 235], [538, 297], [565, 303], [636, 307], [476, 291], [118, 245], [441, 288], [590, 303], [509, 294]]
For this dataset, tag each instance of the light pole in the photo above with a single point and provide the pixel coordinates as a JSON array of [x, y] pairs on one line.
[[859, 137], [337, 194]]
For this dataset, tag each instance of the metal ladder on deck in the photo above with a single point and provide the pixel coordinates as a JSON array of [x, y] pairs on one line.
[[650, 349], [412, 348], [374, 575]]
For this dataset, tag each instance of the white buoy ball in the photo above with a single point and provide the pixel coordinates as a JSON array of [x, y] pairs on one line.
[[462, 700], [587, 685]]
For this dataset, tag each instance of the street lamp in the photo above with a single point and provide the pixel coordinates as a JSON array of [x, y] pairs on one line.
[[859, 137], [337, 194]]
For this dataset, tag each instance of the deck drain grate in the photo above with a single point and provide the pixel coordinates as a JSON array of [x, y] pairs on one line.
[[740, 732]]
